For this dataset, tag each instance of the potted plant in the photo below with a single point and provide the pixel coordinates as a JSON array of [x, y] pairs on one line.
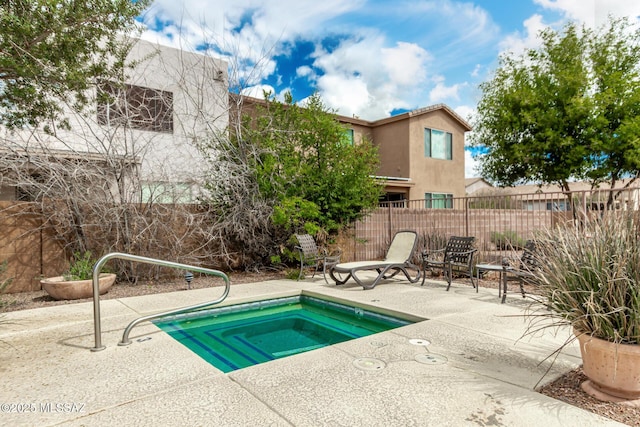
[[590, 279], [77, 281]]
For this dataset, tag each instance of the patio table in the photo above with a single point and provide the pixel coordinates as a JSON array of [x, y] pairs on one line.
[[502, 282]]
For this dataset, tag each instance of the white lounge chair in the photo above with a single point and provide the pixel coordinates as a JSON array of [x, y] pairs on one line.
[[398, 260]]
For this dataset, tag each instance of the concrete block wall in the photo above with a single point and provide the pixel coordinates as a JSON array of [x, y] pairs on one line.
[[30, 252]]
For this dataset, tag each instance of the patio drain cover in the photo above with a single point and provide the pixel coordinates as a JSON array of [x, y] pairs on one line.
[[369, 364], [418, 341], [431, 359]]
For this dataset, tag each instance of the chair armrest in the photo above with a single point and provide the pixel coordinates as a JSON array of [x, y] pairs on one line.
[[427, 253], [431, 251], [465, 252], [332, 259]]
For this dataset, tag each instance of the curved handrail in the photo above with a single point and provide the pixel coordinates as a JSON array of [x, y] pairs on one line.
[[125, 337]]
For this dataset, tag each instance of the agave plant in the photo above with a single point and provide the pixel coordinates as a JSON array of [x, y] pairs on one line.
[[591, 276]]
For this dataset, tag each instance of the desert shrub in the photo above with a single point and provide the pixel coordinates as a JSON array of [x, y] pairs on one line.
[[507, 240]]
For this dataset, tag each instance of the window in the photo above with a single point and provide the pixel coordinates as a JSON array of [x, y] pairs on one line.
[[136, 107], [438, 201], [557, 206], [437, 144], [347, 137]]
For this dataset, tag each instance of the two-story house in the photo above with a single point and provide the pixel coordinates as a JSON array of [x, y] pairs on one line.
[[421, 153]]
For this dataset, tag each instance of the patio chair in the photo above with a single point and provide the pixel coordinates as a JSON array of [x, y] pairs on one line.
[[456, 257], [310, 255], [398, 259], [526, 268]]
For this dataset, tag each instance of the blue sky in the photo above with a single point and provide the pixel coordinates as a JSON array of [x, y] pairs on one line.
[[369, 58]]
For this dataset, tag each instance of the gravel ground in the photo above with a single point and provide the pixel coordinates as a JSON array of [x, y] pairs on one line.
[[566, 388]]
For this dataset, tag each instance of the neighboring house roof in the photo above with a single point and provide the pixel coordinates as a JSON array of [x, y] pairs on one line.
[[574, 186], [235, 98], [471, 181], [417, 112], [473, 185]]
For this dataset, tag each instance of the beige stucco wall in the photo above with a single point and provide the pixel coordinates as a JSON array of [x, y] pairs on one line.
[[436, 175], [360, 132], [392, 140]]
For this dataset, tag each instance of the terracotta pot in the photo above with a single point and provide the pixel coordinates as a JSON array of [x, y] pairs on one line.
[[613, 369], [59, 288]]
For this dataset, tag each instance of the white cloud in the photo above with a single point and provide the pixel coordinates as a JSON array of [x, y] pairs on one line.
[[592, 13], [470, 165], [349, 95], [405, 63], [367, 79], [305, 71], [258, 91], [466, 112], [518, 43], [441, 92], [372, 73], [249, 31]]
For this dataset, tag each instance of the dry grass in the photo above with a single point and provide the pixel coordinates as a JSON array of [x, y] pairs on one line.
[[591, 276]]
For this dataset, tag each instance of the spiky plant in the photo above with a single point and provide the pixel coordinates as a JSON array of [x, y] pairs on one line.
[[591, 276]]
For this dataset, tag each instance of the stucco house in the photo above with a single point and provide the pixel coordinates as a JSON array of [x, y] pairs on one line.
[[170, 98], [421, 153]]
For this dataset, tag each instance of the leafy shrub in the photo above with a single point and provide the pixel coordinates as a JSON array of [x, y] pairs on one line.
[[293, 274], [507, 240], [81, 267]]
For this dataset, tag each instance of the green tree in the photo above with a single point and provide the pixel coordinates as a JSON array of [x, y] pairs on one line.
[[567, 110], [308, 158], [285, 168], [51, 51]]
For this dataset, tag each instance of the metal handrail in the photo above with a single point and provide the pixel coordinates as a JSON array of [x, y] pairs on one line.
[[125, 337]]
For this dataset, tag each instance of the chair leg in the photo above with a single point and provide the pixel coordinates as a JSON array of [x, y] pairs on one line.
[[449, 274]]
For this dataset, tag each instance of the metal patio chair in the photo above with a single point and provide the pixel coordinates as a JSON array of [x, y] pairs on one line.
[[525, 268], [310, 255], [455, 258]]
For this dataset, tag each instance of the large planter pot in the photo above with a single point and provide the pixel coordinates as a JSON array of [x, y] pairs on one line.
[[613, 369], [60, 289]]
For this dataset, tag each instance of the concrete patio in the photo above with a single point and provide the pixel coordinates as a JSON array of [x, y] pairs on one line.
[[50, 376]]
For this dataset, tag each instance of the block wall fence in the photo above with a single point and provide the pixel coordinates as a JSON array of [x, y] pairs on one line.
[[33, 252]]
